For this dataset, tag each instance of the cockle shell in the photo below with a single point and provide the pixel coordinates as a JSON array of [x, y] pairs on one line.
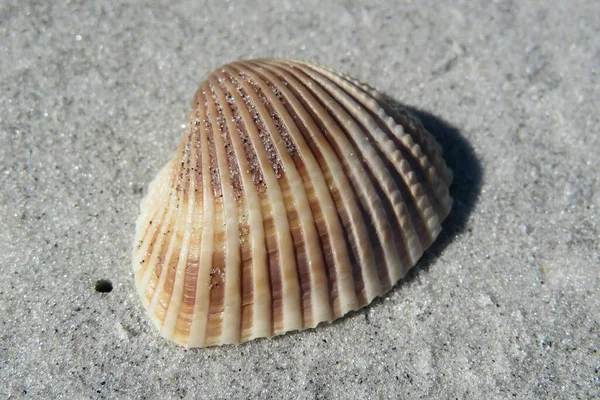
[[293, 198]]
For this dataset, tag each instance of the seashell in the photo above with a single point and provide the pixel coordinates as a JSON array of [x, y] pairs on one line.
[[293, 198]]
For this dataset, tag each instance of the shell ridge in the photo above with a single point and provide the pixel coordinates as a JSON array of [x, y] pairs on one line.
[[232, 299], [172, 314], [178, 318], [155, 270], [260, 286], [323, 201], [353, 167], [414, 154], [290, 297], [332, 166], [161, 255], [427, 143], [142, 265], [150, 211], [153, 253], [405, 203], [343, 144], [375, 168], [199, 325], [335, 229], [216, 295], [225, 115], [161, 298], [291, 187], [385, 148], [309, 259], [193, 266], [186, 299]]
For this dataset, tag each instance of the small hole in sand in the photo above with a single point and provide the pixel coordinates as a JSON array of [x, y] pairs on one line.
[[104, 286]]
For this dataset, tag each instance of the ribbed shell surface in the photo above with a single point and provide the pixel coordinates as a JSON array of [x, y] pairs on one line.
[[292, 199]]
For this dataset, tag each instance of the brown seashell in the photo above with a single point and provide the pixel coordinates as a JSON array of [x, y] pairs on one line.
[[292, 199]]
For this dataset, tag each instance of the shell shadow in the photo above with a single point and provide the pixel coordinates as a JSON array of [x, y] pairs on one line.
[[466, 185]]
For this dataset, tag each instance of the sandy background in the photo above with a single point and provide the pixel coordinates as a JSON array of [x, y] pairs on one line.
[[505, 305]]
